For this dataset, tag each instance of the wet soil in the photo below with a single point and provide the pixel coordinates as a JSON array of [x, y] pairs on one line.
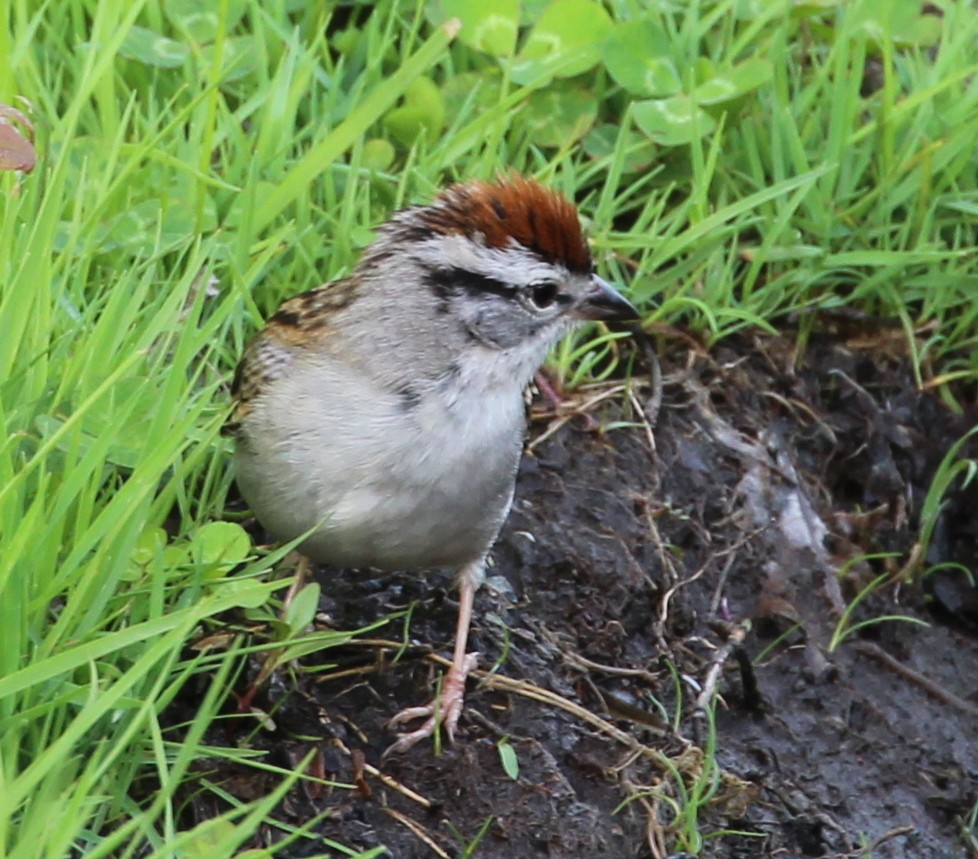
[[706, 543]]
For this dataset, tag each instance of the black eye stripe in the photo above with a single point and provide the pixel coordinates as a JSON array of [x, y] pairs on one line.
[[447, 282], [451, 281]]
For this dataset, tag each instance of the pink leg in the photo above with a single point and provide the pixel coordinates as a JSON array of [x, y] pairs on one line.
[[446, 708], [547, 389]]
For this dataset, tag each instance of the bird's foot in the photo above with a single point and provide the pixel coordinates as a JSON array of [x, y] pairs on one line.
[[444, 710]]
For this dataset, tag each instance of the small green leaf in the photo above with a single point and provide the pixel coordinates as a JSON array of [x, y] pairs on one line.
[[897, 21], [748, 10], [207, 838], [672, 121], [508, 758], [378, 154], [567, 38], [482, 88], [149, 543], [201, 21], [303, 608], [638, 55], [199, 24], [704, 69], [247, 593], [423, 111], [164, 220], [121, 426], [220, 543], [734, 83], [603, 140], [489, 27], [556, 117], [176, 555], [531, 10], [809, 8], [345, 41], [151, 49], [239, 58]]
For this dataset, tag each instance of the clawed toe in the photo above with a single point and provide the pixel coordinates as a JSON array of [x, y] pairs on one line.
[[407, 740], [409, 714], [445, 710]]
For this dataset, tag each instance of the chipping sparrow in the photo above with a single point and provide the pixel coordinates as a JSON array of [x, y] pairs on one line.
[[384, 412]]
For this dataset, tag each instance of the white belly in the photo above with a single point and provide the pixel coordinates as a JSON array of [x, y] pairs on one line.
[[384, 485]]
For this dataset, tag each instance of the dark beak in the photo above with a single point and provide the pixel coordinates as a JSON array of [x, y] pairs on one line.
[[605, 303]]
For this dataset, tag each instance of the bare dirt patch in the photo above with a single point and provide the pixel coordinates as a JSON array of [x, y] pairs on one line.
[[634, 573]]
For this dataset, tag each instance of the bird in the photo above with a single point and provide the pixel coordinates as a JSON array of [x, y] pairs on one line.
[[382, 415]]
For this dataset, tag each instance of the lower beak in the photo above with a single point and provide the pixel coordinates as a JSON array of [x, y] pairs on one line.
[[604, 302]]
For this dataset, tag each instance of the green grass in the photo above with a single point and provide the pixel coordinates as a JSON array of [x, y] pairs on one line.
[[176, 202]]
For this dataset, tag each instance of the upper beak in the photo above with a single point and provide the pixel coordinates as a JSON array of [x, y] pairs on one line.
[[604, 302]]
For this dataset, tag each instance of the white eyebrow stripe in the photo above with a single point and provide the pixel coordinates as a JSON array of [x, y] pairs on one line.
[[514, 265]]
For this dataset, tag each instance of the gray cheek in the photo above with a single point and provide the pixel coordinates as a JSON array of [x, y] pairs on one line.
[[490, 329], [503, 327]]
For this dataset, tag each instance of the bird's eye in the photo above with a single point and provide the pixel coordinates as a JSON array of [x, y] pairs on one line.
[[543, 294]]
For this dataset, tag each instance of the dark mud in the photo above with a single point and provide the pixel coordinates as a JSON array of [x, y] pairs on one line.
[[639, 572]]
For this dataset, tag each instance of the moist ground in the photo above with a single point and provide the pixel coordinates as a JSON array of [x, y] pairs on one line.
[[706, 532]]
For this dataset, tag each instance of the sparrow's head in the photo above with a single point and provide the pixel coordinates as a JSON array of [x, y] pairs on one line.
[[507, 260], [483, 281]]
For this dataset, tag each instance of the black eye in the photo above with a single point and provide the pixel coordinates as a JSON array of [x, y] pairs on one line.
[[543, 294]]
